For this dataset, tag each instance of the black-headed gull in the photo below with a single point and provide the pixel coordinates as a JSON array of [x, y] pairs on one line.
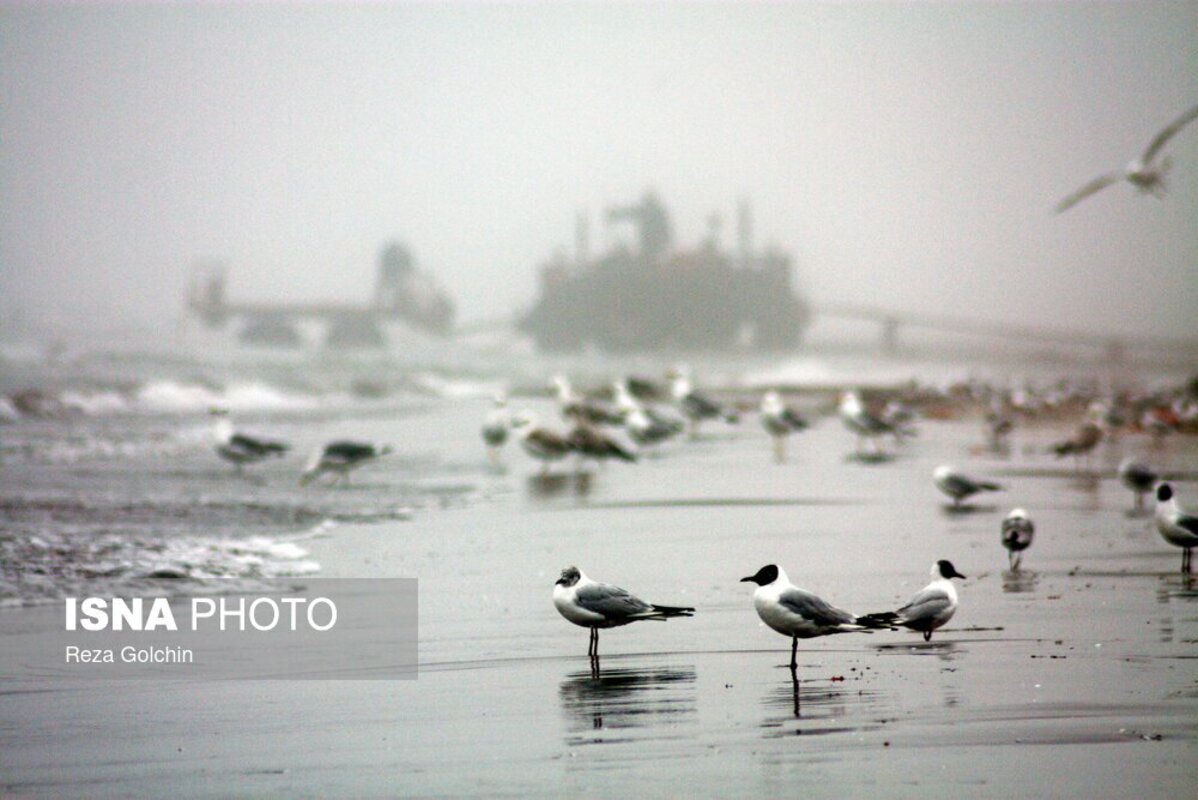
[[929, 608], [1176, 526], [595, 605], [797, 613]]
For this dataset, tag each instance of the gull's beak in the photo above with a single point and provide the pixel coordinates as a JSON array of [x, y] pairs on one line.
[[748, 579]]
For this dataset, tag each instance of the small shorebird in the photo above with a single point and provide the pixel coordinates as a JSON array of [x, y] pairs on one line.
[[1175, 525], [1144, 173], [799, 614], [1017, 533], [595, 605], [958, 486], [929, 608]]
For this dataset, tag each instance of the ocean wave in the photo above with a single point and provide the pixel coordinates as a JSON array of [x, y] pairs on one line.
[[53, 565], [156, 397]]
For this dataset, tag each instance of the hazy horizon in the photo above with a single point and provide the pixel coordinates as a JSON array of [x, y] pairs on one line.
[[906, 156]]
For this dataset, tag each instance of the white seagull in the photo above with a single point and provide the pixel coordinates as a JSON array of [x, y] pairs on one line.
[[1145, 173], [1017, 533], [799, 614], [695, 406], [1138, 477], [595, 605], [929, 608], [958, 486], [496, 427], [340, 458], [1176, 526], [779, 421], [239, 449], [860, 421]]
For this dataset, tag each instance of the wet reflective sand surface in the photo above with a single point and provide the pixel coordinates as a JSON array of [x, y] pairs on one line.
[[1074, 677]]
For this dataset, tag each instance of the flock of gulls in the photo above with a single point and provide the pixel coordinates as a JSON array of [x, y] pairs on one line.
[[618, 424]]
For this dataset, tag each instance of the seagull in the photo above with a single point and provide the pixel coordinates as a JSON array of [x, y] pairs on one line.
[[929, 608], [861, 422], [591, 443], [644, 425], [1138, 477], [1144, 173], [999, 423], [540, 443], [1178, 527], [239, 449], [575, 408], [1017, 532], [496, 427], [799, 614], [595, 605], [695, 406], [341, 458], [779, 421], [958, 486], [1083, 440]]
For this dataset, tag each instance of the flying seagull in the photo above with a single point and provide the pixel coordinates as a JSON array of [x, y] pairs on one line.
[[1145, 173]]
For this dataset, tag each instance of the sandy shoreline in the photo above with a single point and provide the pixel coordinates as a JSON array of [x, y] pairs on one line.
[[1074, 678]]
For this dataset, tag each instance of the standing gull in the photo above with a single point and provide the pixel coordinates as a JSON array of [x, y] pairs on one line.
[[929, 608], [779, 421], [1176, 526], [1017, 532], [340, 458], [799, 614], [496, 427], [695, 406], [1144, 173], [1138, 477], [860, 421], [958, 486], [238, 448], [540, 443], [595, 605]]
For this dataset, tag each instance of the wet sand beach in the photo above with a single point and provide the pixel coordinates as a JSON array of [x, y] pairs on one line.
[[1073, 677]]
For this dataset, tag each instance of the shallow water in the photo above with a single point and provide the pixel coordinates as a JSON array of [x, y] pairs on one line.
[[1073, 677]]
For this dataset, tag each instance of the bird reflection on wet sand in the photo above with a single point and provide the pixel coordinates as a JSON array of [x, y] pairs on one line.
[[551, 485], [1019, 581], [828, 707], [626, 698]]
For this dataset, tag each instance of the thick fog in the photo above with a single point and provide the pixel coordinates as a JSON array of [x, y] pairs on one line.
[[908, 156]]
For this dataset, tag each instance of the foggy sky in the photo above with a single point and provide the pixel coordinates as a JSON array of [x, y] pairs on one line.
[[907, 156]]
